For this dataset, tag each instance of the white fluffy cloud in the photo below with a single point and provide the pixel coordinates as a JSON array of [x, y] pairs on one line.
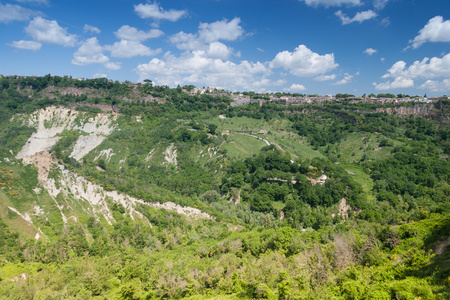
[[130, 33], [130, 42], [186, 41], [212, 67], [399, 82], [206, 60], [359, 17], [208, 34], [46, 31], [347, 79], [198, 68], [385, 22], [303, 62], [90, 52], [128, 49], [436, 86], [220, 30], [404, 76], [218, 50], [426, 68], [325, 77], [436, 30], [99, 75], [380, 4], [90, 28], [153, 11], [328, 3], [27, 45], [370, 51], [297, 87], [10, 12]]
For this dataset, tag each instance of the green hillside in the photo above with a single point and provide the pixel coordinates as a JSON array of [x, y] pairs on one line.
[[122, 191]]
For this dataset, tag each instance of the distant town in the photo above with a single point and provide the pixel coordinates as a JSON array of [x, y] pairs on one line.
[[282, 98]]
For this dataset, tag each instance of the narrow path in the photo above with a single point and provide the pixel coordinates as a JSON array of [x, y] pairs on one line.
[[264, 140], [256, 137]]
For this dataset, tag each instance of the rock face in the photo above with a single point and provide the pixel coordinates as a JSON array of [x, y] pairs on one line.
[[171, 155], [343, 209], [49, 123], [435, 111], [97, 128], [52, 121]]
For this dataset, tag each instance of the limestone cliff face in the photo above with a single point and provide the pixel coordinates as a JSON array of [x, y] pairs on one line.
[[435, 111]]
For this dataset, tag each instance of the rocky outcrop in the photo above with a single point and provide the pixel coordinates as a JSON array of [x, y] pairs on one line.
[[52, 121], [435, 111]]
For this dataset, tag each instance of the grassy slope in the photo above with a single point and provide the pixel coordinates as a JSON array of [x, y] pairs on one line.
[[239, 146], [353, 147], [358, 174], [277, 132]]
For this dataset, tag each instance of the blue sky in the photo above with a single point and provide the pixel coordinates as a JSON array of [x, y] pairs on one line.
[[301, 46]]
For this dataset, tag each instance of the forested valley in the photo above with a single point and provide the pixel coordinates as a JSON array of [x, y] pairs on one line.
[[115, 190]]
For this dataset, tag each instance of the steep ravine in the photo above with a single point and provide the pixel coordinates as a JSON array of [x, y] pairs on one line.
[[69, 189]]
